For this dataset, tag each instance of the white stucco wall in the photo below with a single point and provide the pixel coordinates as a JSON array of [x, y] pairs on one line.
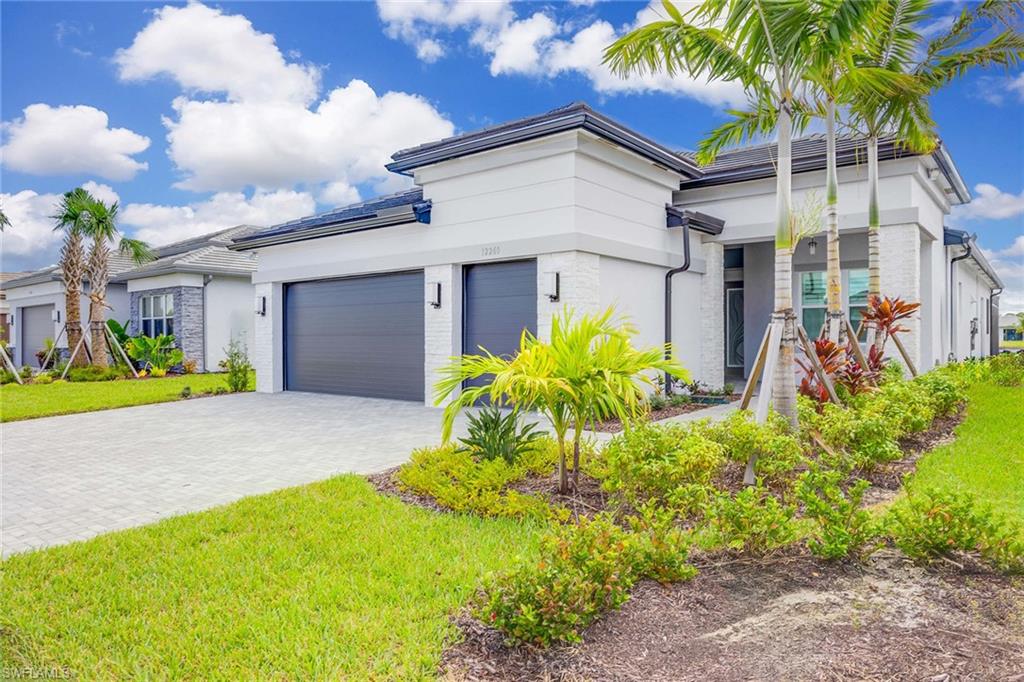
[[971, 292], [230, 302]]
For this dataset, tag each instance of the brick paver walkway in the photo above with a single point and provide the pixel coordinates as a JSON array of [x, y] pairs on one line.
[[72, 477]]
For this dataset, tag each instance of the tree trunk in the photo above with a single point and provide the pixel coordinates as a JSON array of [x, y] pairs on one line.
[[563, 476], [874, 238], [576, 460], [72, 265], [784, 382], [99, 275], [834, 317]]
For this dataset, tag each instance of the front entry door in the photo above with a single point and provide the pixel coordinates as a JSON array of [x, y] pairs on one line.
[[734, 328]]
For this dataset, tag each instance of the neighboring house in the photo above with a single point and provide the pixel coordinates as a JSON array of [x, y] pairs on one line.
[[5, 309], [1009, 327], [196, 289], [508, 225]]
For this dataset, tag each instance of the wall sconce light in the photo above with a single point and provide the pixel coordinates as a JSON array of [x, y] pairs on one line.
[[553, 285], [261, 306], [812, 246], [434, 294], [55, 316]]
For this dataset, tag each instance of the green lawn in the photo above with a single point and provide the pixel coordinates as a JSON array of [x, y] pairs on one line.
[[987, 457], [324, 581], [65, 397], [1011, 344]]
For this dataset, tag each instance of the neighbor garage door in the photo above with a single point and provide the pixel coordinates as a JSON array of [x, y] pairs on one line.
[[36, 327], [357, 336], [500, 301]]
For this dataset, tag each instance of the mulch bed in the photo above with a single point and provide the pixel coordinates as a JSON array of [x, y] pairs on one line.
[[615, 425], [785, 617]]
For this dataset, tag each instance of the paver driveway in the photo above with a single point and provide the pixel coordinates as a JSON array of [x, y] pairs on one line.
[[71, 477]]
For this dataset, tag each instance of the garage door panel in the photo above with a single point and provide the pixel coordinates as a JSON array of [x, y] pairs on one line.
[[359, 336], [36, 327]]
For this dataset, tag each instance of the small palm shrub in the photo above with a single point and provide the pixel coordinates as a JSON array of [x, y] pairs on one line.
[[672, 464], [499, 434], [237, 367], [935, 523], [752, 521], [842, 527], [583, 570]]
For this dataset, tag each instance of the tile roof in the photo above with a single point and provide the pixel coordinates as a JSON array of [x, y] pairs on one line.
[[119, 263], [209, 259]]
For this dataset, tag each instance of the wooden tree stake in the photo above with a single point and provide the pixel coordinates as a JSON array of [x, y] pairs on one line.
[[906, 356], [762, 355], [858, 353], [10, 365], [111, 339]]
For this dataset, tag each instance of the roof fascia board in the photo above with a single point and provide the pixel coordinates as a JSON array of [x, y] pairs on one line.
[[359, 225]]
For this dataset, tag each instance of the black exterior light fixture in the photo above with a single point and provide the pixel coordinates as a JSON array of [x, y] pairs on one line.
[[812, 246], [553, 286], [261, 306], [434, 294]]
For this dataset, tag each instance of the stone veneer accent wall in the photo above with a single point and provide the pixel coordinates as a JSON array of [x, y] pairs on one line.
[[712, 315], [188, 320], [580, 288]]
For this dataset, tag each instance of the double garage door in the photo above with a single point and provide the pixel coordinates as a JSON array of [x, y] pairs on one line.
[[364, 336]]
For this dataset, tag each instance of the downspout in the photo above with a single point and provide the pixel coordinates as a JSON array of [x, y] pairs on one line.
[[206, 358], [968, 247], [993, 318], [668, 300]]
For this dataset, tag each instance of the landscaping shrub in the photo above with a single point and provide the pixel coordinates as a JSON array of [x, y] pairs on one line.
[[1007, 369], [944, 392], [935, 523], [155, 355], [459, 481], [186, 392], [6, 377], [841, 528], [583, 570], [92, 373], [499, 434], [752, 521], [665, 545], [779, 452], [904, 404], [673, 464], [189, 366], [679, 399], [861, 438], [43, 379], [237, 366]]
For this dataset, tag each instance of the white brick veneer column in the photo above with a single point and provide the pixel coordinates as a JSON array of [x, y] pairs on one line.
[[900, 266], [266, 348], [442, 326], [580, 286], [712, 316]]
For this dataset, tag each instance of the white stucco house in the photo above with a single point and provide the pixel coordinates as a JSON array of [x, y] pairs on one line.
[[196, 289], [507, 225]]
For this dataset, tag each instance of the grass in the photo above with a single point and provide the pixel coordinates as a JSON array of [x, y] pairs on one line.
[[986, 458], [1011, 344], [324, 581], [64, 397]]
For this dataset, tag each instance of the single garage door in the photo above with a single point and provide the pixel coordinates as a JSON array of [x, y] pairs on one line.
[[357, 336], [36, 327], [499, 302]]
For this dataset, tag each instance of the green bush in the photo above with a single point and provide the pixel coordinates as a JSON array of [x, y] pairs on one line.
[[679, 399], [237, 366], [6, 377], [43, 379], [944, 392], [752, 521], [935, 523], [657, 401], [673, 464], [861, 438], [459, 481], [494, 433], [664, 545], [1007, 369], [92, 373], [779, 452], [904, 404], [583, 570], [841, 528]]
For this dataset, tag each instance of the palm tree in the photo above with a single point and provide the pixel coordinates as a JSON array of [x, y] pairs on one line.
[[101, 227], [71, 218], [5, 222], [768, 47], [588, 371], [892, 42]]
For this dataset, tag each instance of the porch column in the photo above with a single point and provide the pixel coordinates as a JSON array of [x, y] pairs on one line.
[[900, 266], [712, 316], [579, 286], [442, 326]]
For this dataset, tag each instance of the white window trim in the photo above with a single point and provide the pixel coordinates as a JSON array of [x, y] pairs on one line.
[[152, 318]]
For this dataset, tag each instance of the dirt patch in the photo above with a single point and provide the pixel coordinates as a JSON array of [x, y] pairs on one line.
[[615, 425], [888, 478], [790, 617]]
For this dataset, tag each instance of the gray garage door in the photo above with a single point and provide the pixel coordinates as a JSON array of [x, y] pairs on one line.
[[36, 327], [500, 300], [357, 336]]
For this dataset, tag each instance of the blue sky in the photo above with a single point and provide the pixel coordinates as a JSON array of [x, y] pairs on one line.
[[203, 116]]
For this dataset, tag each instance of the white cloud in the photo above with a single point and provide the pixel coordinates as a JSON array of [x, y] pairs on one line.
[[419, 22], [104, 193], [541, 46], [990, 203], [270, 132], [339, 193], [161, 224], [31, 230], [71, 139], [1009, 263], [203, 49]]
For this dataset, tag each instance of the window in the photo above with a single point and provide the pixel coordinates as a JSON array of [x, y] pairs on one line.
[[814, 298], [156, 314]]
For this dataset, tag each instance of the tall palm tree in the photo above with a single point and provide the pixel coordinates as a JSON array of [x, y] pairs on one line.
[[5, 222], [893, 42], [71, 219], [101, 227], [768, 47]]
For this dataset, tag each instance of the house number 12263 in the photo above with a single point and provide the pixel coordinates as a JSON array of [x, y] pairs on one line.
[[490, 251]]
